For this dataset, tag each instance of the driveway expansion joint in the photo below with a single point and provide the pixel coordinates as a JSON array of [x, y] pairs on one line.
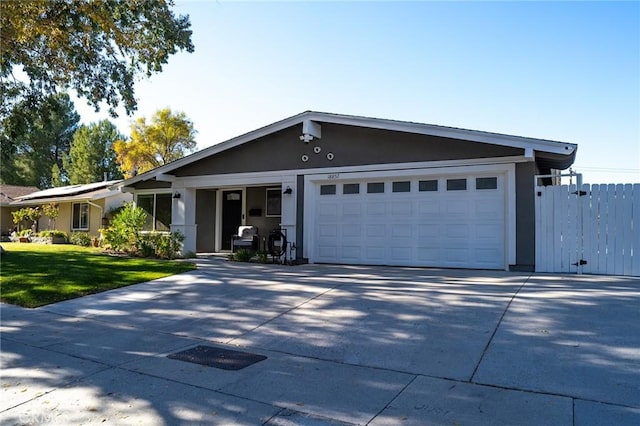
[[393, 399], [495, 329]]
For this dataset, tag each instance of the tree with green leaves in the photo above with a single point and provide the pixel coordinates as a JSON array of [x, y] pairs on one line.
[[167, 137], [52, 211], [98, 48], [27, 214], [33, 140], [91, 154]]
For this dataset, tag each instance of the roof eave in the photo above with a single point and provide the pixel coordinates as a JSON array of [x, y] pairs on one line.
[[91, 196], [543, 145]]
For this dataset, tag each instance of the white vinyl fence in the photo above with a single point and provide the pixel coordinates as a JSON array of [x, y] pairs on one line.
[[593, 231]]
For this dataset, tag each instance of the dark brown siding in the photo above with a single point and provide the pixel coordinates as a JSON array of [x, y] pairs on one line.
[[350, 146], [151, 184]]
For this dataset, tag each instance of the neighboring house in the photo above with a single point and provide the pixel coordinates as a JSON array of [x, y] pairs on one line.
[[8, 194], [357, 190], [80, 207]]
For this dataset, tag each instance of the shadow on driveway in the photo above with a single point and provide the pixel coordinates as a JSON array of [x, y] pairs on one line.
[[343, 344]]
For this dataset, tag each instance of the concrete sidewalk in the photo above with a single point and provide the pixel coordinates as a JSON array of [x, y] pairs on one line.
[[344, 345]]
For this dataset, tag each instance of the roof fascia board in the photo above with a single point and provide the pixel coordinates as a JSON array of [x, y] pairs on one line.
[[449, 132], [163, 177]]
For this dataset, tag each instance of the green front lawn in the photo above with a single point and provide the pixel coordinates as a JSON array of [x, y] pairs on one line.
[[33, 275]]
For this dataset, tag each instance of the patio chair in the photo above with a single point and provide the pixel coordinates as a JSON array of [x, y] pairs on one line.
[[247, 238]]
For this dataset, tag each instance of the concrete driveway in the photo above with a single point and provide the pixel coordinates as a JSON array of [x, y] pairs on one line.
[[344, 345]]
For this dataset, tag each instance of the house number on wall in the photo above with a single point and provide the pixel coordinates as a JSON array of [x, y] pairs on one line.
[[333, 176]]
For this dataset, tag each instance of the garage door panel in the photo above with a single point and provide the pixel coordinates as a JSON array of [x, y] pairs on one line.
[[457, 207], [328, 230], [401, 230], [457, 231], [351, 230], [492, 231], [377, 230], [352, 211], [486, 256], [402, 254], [327, 211], [376, 209], [375, 253], [429, 256], [327, 253], [429, 208], [401, 209], [351, 252], [458, 255], [488, 210], [426, 231]]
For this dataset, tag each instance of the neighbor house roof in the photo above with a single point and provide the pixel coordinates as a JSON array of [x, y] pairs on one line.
[[90, 191], [9, 193], [558, 154]]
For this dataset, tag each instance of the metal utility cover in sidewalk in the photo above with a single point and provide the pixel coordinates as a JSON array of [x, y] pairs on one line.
[[224, 359]]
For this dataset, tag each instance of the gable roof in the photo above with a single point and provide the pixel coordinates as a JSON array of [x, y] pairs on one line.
[[90, 191], [561, 154], [9, 193]]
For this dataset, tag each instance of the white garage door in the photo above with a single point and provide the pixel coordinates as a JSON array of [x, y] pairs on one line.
[[439, 222]]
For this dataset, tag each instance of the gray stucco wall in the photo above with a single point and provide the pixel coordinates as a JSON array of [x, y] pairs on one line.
[[350, 146], [206, 220], [525, 217]]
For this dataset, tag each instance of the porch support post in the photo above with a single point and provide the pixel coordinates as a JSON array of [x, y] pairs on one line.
[[183, 217]]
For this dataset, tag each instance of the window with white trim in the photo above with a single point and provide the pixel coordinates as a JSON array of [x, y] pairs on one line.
[[457, 184], [274, 202], [158, 209], [401, 186], [487, 183], [428, 185], [375, 187], [327, 190], [80, 217], [351, 188]]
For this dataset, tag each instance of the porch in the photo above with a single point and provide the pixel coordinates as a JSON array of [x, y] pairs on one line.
[[219, 211]]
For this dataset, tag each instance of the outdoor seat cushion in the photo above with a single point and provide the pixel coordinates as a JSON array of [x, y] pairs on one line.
[[247, 232]]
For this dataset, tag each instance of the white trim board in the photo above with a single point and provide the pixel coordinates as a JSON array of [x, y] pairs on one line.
[[280, 176]]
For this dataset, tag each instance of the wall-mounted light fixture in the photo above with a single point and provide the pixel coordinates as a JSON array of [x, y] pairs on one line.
[[176, 195], [288, 191]]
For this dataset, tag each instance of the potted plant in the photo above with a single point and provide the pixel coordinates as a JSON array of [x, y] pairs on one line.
[[55, 236], [24, 236]]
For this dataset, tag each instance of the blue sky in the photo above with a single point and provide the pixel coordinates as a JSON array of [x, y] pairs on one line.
[[567, 71]]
